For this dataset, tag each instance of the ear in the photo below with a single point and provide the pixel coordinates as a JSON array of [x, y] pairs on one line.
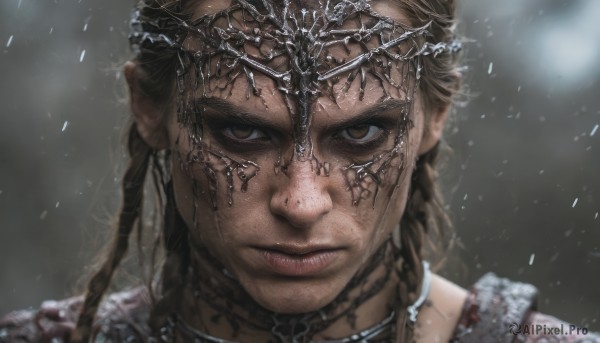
[[434, 127], [149, 116]]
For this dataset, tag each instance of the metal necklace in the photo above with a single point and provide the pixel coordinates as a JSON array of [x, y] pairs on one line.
[[176, 324]]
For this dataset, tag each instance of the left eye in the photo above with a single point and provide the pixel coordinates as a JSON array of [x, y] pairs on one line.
[[244, 133], [360, 133]]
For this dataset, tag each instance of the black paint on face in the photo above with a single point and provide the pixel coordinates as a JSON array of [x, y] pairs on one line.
[[309, 57], [306, 53]]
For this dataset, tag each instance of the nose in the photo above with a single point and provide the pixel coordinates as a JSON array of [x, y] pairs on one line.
[[301, 198]]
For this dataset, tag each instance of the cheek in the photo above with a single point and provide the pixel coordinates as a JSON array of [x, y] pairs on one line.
[[380, 213], [215, 193], [382, 216]]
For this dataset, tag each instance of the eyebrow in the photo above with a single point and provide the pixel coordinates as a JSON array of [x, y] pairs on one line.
[[229, 112], [380, 110]]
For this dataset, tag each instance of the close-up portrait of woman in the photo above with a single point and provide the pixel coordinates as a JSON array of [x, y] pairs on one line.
[[298, 171]]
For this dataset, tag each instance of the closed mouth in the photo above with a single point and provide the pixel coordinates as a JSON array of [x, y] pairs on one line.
[[298, 261]]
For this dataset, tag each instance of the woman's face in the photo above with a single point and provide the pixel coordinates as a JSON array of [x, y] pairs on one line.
[[293, 230]]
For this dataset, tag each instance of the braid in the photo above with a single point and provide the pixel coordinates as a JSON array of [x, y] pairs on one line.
[[176, 264], [425, 214], [157, 81], [133, 185]]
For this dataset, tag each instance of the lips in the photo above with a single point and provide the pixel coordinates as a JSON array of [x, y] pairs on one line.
[[297, 260]]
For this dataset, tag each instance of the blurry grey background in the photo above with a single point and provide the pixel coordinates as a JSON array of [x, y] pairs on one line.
[[523, 181]]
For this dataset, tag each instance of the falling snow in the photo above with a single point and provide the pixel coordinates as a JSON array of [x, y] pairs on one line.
[[575, 202], [65, 125], [10, 39], [531, 258], [81, 57], [490, 68], [594, 130]]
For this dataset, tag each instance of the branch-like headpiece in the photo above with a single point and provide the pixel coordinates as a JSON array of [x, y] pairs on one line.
[[305, 51]]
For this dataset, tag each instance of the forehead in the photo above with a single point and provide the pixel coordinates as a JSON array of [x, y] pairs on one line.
[[391, 8], [285, 61], [316, 51], [324, 111]]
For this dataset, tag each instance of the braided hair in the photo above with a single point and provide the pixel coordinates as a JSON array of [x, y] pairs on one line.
[[425, 215]]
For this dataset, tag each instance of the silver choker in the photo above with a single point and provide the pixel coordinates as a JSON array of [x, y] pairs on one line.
[[174, 323]]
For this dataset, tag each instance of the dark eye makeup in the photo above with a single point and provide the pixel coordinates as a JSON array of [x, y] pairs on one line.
[[354, 140], [243, 132]]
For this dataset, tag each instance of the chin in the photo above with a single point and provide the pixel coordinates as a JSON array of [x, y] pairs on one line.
[[294, 297]]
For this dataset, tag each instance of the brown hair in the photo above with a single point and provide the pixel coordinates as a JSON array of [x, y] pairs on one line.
[[425, 211], [425, 215]]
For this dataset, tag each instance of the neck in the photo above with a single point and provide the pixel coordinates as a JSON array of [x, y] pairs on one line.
[[214, 303]]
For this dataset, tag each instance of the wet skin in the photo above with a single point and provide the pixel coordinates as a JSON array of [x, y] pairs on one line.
[[294, 235], [297, 211]]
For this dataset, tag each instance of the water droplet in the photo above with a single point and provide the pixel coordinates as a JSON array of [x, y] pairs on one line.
[[490, 68], [531, 258], [575, 202], [57, 204], [594, 130], [82, 56], [595, 217], [65, 126], [10, 39], [85, 26], [51, 30], [519, 88]]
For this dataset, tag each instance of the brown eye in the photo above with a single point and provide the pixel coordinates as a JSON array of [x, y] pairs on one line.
[[361, 133], [358, 132], [241, 132], [245, 133]]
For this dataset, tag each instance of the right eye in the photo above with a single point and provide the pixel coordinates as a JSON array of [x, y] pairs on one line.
[[244, 133]]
